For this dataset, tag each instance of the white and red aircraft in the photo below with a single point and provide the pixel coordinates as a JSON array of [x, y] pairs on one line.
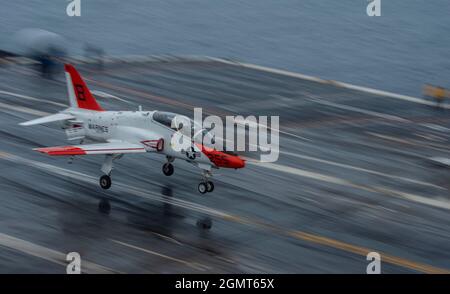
[[116, 133]]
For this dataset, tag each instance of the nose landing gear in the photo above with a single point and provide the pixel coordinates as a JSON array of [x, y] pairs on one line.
[[202, 188], [107, 167], [209, 186], [206, 185]]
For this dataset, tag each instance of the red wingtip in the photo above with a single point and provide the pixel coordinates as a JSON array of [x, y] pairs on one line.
[[61, 151]]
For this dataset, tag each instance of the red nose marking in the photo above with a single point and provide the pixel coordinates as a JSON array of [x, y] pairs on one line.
[[236, 161], [221, 159]]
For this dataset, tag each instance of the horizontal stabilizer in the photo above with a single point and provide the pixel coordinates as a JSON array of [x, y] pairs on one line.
[[48, 119]]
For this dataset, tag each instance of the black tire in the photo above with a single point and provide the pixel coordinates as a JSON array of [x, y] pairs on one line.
[[209, 186], [105, 182], [202, 188], [104, 206], [167, 169]]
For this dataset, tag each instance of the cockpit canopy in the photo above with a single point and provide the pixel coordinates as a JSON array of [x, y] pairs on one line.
[[164, 118]]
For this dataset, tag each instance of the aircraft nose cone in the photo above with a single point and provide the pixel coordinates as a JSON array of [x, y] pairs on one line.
[[237, 162]]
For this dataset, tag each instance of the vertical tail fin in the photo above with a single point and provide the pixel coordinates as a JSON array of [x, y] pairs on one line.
[[79, 94]]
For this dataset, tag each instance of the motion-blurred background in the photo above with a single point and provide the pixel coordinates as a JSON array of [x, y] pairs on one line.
[[359, 170]]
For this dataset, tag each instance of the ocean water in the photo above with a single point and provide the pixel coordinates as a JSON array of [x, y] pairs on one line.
[[407, 46]]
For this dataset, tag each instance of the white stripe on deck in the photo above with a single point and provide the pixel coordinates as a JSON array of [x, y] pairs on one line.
[[347, 166], [338, 181], [26, 97], [50, 254], [332, 82], [360, 110], [23, 109], [194, 265]]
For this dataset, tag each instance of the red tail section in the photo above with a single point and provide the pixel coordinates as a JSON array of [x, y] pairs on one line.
[[79, 93]]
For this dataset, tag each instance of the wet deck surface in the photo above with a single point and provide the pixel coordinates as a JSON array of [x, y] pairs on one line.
[[353, 175]]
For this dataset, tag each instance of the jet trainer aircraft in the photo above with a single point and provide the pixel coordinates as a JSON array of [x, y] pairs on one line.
[[116, 133]]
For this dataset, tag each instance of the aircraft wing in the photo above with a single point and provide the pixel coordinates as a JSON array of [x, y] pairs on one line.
[[90, 149], [48, 119]]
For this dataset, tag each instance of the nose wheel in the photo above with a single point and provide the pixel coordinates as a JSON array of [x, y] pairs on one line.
[[105, 182], [209, 186], [206, 187]]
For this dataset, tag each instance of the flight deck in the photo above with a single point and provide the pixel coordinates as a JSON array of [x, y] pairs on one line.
[[355, 174]]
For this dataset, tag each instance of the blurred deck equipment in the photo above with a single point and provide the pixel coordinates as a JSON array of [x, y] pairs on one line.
[[41, 45], [96, 53], [438, 93]]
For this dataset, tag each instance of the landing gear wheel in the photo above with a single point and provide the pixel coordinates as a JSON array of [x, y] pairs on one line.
[[104, 206], [202, 188], [167, 169], [209, 186], [105, 182]]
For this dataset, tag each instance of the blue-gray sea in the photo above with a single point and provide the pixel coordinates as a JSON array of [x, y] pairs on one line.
[[405, 47]]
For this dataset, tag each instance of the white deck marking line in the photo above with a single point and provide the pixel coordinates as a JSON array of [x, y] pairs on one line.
[[110, 96], [436, 127], [23, 109], [360, 110], [50, 254], [410, 142], [336, 83], [32, 98], [194, 265], [338, 181], [391, 138], [345, 166], [241, 122], [362, 169], [168, 238]]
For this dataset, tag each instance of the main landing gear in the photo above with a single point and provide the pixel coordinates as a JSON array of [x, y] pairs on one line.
[[167, 167], [107, 167], [206, 185], [105, 182]]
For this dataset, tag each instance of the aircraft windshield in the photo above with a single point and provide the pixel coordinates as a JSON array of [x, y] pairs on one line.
[[164, 118]]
